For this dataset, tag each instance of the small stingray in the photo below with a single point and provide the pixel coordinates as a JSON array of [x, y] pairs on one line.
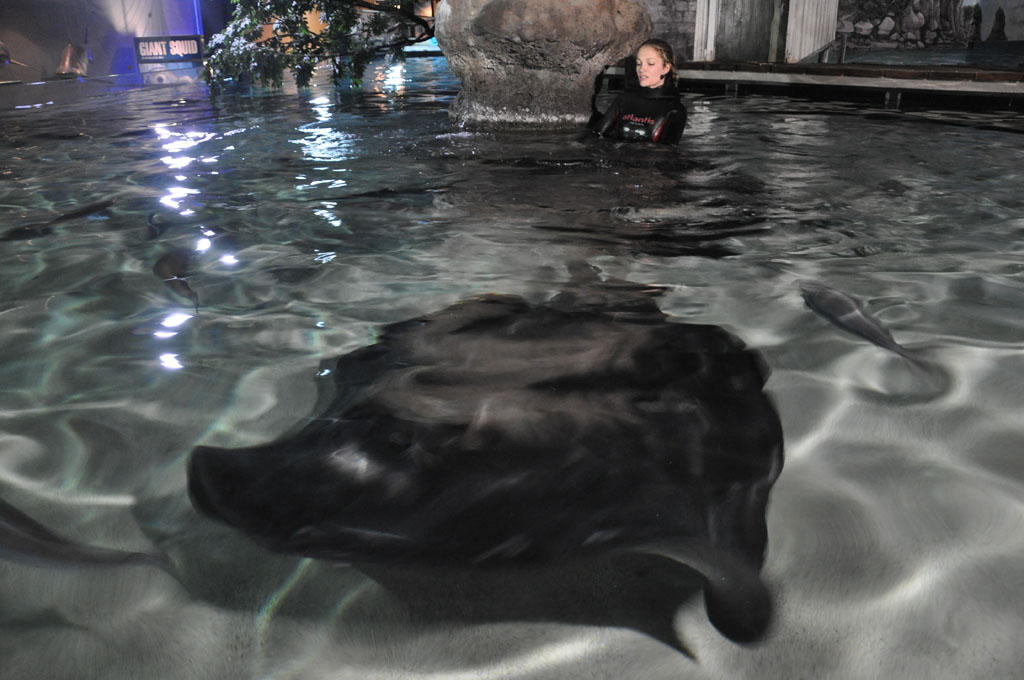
[[496, 432], [846, 313], [24, 540], [37, 229], [172, 268]]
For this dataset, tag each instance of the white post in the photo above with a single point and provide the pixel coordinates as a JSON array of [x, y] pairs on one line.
[[704, 31]]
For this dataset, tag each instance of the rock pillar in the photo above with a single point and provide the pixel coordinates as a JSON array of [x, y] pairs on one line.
[[534, 63]]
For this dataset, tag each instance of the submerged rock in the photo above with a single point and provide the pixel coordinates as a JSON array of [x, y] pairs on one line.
[[533, 63], [496, 432]]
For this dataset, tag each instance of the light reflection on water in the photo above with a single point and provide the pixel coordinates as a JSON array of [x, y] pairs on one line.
[[895, 529]]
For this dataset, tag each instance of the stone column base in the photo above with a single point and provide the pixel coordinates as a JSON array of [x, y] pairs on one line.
[[534, 63]]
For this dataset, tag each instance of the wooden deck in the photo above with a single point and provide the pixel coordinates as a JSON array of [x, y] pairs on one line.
[[892, 86]]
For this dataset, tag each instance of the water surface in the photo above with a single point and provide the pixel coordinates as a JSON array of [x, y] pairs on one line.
[[896, 538]]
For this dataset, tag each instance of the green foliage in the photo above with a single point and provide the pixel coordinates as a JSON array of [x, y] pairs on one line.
[[355, 32]]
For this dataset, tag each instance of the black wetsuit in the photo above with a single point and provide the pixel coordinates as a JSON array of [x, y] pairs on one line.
[[653, 114]]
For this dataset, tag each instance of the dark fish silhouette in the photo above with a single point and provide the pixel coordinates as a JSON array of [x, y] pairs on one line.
[[172, 268], [24, 540], [37, 229], [496, 432], [87, 209], [845, 312]]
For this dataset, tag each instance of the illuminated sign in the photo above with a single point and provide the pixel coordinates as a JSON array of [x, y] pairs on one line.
[[169, 48]]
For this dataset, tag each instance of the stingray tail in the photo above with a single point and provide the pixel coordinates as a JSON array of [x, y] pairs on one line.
[[737, 601]]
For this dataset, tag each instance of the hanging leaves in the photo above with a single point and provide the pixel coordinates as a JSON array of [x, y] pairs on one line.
[[266, 38]]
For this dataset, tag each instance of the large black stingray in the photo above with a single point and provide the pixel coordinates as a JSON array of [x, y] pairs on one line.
[[500, 432]]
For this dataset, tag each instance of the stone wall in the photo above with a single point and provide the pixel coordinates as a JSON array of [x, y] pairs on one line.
[[675, 22], [905, 22]]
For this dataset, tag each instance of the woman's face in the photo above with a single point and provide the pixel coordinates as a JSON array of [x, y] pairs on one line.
[[650, 67]]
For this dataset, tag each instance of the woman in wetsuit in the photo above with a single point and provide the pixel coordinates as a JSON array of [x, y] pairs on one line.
[[653, 112]]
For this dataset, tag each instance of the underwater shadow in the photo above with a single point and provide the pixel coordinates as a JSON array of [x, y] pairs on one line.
[[638, 592]]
